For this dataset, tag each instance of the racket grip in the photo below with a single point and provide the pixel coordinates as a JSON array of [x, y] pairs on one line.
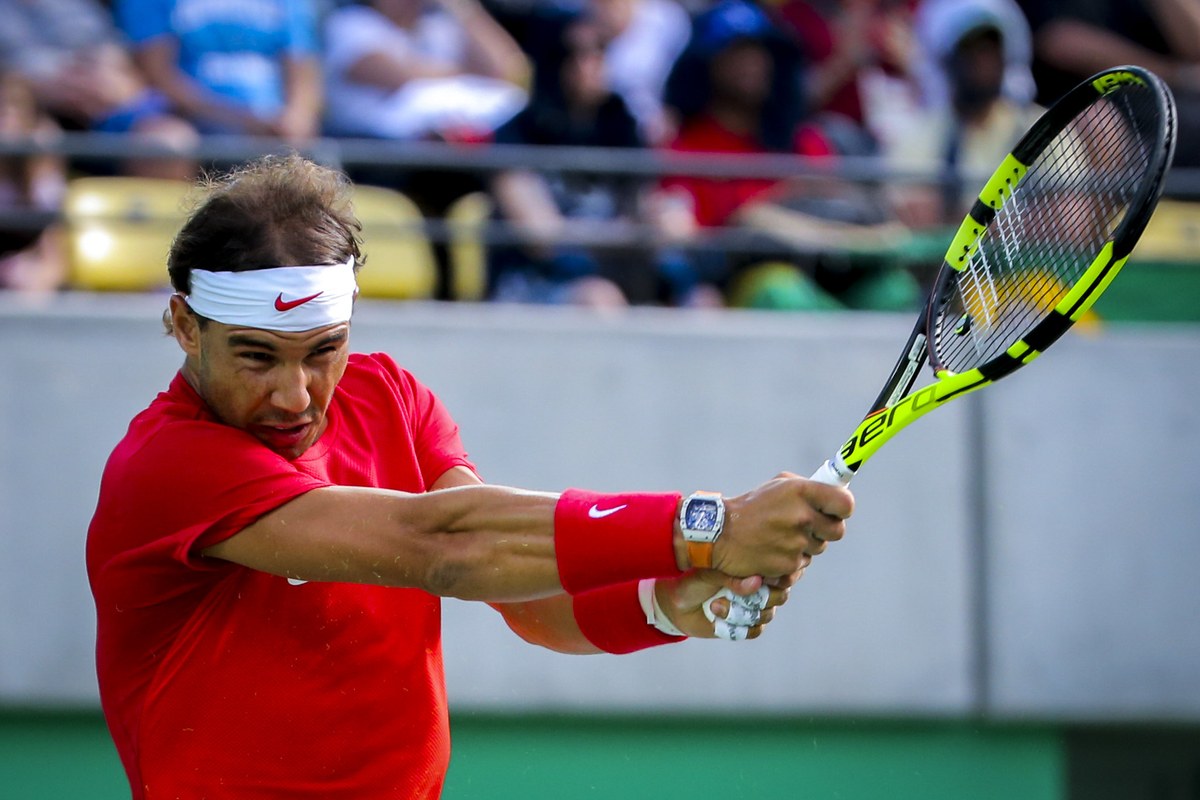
[[830, 474]]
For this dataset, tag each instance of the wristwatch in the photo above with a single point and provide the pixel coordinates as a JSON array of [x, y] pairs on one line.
[[701, 520]]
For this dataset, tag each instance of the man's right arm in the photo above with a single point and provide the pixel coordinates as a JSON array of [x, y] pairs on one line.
[[498, 544]]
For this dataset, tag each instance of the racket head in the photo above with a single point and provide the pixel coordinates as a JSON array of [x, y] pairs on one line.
[[1047, 234], [1053, 225]]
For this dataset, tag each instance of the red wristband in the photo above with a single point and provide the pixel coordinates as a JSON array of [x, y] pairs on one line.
[[612, 619], [602, 539]]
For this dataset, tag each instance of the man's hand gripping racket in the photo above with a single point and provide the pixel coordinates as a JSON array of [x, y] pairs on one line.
[[1047, 234]]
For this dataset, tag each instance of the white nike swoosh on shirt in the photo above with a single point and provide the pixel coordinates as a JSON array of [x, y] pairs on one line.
[[595, 513], [296, 581]]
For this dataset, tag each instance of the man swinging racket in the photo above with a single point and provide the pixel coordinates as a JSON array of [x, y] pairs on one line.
[[275, 530]]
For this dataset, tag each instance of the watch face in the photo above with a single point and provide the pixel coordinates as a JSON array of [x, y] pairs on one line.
[[701, 515]]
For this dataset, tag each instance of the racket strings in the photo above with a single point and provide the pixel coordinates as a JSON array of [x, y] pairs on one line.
[[1042, 240]]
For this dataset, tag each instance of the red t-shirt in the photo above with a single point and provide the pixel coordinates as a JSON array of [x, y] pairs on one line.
[[222, 681], [714, 200]]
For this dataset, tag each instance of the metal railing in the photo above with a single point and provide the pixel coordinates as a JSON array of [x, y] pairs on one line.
[[486, 159]]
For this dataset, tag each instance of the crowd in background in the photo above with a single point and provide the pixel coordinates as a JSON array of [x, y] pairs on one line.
[[925, 87]]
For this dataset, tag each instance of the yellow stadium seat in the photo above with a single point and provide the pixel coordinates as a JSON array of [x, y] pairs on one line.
[[1173, 234], [119, 231], [400, 262], [466, 218], [1162, 280]]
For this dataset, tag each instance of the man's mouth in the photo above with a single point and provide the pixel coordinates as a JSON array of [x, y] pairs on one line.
[[283, 437]]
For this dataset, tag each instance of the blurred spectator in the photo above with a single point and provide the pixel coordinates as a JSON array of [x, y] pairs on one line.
[[980, 91], [579, 109], [407, 69], [735, 88], [643, 40], [247, 67], [860, 55], [31, 192], [1074, 39], [937, 26], [74, 58]]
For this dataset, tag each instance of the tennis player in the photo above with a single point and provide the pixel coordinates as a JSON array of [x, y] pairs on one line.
[[274, 532]]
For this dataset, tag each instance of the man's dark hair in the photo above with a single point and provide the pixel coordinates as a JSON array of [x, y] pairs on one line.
[[276, 211]]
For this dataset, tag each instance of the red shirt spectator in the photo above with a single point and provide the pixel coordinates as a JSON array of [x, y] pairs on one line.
[[716, 199]]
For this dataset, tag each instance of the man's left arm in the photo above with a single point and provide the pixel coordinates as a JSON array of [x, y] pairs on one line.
[[549, 622]]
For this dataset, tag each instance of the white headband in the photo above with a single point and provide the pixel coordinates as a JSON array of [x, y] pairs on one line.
[[276, 299]]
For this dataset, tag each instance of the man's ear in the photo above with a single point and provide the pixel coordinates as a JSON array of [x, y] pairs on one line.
[[184, 326]]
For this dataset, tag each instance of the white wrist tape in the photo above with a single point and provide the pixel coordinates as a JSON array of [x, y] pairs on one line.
[[741, 615], [745, 611], [732, 633], [654, 614]]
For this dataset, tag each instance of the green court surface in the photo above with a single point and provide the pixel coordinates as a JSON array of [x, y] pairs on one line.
[[53, 755], [1153, 292]]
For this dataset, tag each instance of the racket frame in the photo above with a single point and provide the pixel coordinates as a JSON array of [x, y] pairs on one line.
[[897, 405]]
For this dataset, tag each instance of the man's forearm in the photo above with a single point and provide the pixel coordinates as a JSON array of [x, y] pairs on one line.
[[471, 542], [503, 545]]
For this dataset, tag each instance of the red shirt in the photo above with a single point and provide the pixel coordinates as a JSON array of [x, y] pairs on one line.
[[714, 200], [222, 681]]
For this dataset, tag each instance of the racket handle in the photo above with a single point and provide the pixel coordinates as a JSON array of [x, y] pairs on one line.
[[830, 473]]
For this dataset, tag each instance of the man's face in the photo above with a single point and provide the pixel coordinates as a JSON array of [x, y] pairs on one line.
[[742, 72], [584, 76], [274, 385], [977, 69]]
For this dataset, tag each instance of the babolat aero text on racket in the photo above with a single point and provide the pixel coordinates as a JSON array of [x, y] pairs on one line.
[[1048, 233]]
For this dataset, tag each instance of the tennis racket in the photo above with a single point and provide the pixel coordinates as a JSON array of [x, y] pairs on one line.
[[1048, 233]]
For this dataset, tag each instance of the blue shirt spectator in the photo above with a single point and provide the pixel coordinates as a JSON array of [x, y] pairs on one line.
[[249, 66]]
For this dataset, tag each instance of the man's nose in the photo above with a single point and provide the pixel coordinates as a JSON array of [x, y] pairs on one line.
[[291, 390]]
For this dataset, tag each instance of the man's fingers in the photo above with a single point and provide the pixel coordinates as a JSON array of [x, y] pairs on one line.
[[738, 614], [779, 596], [744, 586], [735, 608], [827, 531], [834, 502], [784, 581], [731, 633]]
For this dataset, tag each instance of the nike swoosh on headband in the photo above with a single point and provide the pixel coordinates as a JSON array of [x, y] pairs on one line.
[[288, 305]]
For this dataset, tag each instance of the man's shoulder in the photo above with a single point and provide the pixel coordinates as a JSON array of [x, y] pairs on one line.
[[368, 373], [176, 422], [172, 424], [372, 365], [177, 405]]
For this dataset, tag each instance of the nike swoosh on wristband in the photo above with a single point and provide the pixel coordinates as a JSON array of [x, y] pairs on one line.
[[288, 305], [595, 513]]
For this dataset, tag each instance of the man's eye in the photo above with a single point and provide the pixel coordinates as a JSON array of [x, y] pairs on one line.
[[260, 358]]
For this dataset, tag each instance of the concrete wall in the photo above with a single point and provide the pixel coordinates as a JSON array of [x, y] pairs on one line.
[[1026, 552]]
